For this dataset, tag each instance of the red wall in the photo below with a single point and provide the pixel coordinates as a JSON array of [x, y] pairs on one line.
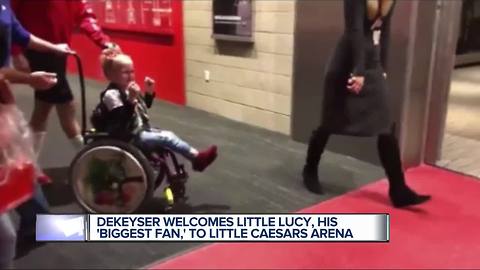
[[158, 56]]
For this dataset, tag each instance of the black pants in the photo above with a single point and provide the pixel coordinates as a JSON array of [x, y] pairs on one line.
[[61, 92], [388, 152]]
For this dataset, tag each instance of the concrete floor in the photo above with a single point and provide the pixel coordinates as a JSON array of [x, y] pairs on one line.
[[464, 103], [257, 172], [461, 145]]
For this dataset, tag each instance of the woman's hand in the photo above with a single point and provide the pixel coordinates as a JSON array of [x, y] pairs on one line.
[[149, 85], [42, 80], [355, 83]]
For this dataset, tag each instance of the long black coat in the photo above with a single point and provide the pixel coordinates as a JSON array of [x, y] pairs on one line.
[[367, 113]]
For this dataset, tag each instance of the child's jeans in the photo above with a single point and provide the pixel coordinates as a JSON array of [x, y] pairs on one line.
[[8, 241], [155, 139]]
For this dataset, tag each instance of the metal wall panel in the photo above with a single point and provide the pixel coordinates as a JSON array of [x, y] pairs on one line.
[[426, 100], [444, 61], [417, 91]]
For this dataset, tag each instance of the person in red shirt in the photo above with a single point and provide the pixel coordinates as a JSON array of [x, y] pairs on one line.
[[55, 23]]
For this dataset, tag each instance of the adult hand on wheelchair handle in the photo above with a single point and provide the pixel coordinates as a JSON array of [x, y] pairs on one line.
[[63, 49]]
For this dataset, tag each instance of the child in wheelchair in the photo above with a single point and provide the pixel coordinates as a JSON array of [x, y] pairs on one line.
[[122, 113]]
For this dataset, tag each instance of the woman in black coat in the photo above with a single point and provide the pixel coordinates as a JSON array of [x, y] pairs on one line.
[[356, 101]]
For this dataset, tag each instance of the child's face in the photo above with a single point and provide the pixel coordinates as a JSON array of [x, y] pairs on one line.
[[123, 73]]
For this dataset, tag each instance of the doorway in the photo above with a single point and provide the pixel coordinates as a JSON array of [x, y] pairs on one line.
[[460, 147]]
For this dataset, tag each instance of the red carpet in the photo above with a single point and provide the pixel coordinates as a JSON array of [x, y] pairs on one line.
[[439, 234]]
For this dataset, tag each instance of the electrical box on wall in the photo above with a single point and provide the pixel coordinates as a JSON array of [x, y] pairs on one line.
[[232, 20]]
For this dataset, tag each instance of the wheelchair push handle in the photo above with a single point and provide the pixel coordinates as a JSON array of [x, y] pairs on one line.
[[78, 62]]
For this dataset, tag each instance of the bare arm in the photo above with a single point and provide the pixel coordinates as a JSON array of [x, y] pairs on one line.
[[38, 80], [15, 76], [41, 45], [354, 12], [21, 63], [87, 21]]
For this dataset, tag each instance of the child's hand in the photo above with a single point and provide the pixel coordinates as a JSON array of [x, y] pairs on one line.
[[149, 85], [133, 91]]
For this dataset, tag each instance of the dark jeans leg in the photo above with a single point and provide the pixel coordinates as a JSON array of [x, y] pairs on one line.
[[28, 211], [8, 240]]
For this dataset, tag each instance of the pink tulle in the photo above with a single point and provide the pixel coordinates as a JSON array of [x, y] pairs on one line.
[[17, 158]]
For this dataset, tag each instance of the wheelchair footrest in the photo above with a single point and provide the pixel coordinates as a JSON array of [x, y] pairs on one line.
[[169, 196], [180, 176]]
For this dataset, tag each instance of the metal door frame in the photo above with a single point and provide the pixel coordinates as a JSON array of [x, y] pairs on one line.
[[448, 25]]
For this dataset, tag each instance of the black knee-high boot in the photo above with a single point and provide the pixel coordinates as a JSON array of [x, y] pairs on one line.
[[316, 146], [400, 194]]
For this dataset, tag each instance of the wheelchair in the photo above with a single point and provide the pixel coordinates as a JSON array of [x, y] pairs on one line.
[[111, 176]]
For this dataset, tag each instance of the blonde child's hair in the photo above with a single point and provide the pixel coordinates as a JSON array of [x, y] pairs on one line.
[[111, 58]]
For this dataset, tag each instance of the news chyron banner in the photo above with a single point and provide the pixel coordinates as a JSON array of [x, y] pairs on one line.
[[216, 228]]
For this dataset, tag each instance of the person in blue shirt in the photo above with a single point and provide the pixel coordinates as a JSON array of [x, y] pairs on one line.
[[12, 32]]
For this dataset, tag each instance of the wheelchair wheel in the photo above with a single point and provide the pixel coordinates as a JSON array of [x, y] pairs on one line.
[[111, 176]]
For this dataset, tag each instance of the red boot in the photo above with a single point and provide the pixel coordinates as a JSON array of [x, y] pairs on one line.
[[205, 158]]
